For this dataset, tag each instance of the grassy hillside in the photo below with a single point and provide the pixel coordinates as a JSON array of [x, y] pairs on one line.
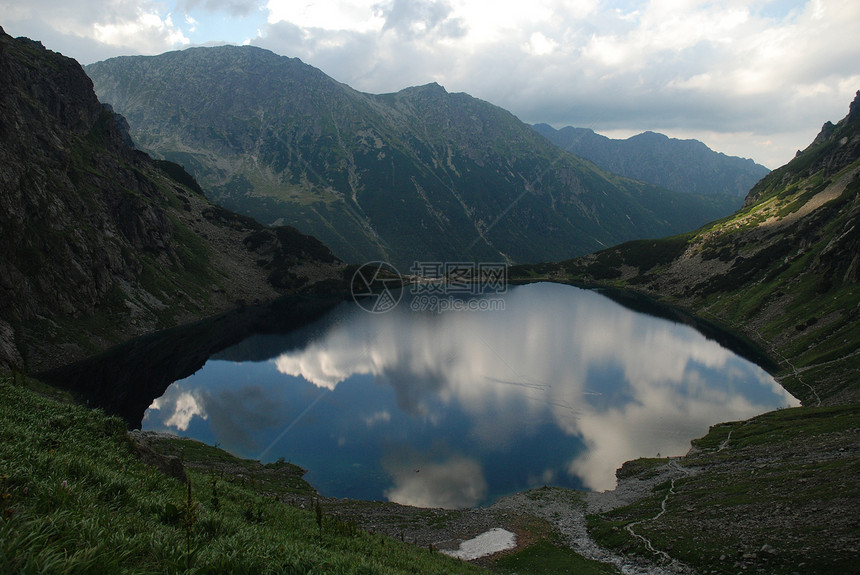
[[775, 494], [75, 498]]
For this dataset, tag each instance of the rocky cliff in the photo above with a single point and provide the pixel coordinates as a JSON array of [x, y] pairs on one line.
[[98, 242]]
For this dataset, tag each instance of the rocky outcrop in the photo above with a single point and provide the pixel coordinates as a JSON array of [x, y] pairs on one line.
[[98, 242], [834, 148]]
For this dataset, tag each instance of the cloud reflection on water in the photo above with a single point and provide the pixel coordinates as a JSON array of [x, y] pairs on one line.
[[453, 484], [622, 384], [183, 406], [544, 356]]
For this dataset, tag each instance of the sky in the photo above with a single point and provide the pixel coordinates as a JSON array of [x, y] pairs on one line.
[[755, 79]]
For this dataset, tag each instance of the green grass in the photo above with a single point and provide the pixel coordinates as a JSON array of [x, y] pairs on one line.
[[276, 478], [74, 498], [643, 467], [546, 558], [785, 479], [784, 423]]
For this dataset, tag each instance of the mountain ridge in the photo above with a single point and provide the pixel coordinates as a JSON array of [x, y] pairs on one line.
[[688, 166], [419, 174]]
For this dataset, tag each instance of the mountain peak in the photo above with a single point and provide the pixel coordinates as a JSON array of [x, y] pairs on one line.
[[835, 147], [431, 89], [649, 135], [419, 174], [434, 86], [854, 107]]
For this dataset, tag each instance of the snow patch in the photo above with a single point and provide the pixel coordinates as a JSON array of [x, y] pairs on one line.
[[486, 543]]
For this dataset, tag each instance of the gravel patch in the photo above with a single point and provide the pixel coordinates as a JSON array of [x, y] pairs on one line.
[[566, 512]]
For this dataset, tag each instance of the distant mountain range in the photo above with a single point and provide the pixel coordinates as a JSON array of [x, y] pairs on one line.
[[784, 269], [679, 165], [99, 242], [418, 175]]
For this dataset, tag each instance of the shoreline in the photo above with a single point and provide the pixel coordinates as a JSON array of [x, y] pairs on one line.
[[526, 515], [659, 510]]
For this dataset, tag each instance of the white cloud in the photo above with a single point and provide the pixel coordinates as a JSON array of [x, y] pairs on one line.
[[235, 8], [182, 407], [728, 72], [79, 28], [145, 29], [540, 45], [378, 417], [353, 15], [453, 484]]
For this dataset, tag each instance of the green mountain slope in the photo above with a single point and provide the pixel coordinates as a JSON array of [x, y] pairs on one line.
[[419, 175], [98, 242], [784, 269], [679, 165]]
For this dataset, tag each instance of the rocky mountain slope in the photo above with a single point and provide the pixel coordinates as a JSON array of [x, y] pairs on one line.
[[98, 242], [419, 175], [784, 269], [679, 165]]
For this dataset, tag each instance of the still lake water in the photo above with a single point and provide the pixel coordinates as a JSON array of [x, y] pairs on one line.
[[456, 409]]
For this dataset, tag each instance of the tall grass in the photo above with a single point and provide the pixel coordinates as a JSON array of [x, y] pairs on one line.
[[74, 498]]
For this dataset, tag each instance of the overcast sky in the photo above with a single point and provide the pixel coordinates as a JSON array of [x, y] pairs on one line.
[[754, 79]]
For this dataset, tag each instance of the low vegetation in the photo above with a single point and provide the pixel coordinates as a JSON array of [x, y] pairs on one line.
[[74, 498], [545, 558], [774, 494]]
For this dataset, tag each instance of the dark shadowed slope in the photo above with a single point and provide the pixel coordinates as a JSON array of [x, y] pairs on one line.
[[100, 243]]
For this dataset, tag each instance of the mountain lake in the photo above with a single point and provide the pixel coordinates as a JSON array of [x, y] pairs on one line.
[[542, 384]]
